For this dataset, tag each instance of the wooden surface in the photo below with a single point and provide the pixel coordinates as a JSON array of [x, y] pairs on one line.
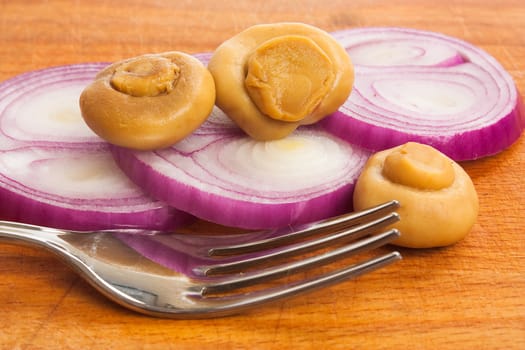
[[468, 296]]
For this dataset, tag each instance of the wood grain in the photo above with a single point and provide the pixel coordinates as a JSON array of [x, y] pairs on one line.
[[468, 296]]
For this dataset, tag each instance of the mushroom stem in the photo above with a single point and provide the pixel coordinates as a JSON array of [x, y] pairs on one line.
[[146, 76], [288, 76], [419, 166]]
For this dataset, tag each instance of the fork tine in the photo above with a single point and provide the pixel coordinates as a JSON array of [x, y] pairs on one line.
[[332, 224], [352, 233], [244, 280], [227, 305]]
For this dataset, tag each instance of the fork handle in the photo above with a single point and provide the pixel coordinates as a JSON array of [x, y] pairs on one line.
[[36, 237]]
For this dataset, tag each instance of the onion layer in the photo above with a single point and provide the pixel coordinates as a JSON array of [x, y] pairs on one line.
[[425, 87], [221, 175], [54, 170]]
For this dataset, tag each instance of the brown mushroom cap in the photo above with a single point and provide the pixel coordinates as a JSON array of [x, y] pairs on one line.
[[229, 68], [149, 102]]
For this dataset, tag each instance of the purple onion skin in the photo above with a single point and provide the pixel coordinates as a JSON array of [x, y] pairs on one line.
[[467, 145], [36, 212]]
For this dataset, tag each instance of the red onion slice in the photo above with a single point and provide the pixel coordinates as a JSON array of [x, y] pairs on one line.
[[426, 87], [221, 175], [54, 170], [51, 95]]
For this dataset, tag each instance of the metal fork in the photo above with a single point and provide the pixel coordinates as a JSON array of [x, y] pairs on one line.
[[198, 277]]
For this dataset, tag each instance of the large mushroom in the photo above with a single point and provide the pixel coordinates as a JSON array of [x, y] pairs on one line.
[[150, 101], [271, 78]]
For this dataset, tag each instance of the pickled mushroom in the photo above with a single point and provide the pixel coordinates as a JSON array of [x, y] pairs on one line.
[[272, 78], [149, 102], [439, 204]]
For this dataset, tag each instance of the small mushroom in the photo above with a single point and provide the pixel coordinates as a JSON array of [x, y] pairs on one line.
[[439, 204], [272, 78], [150, 101]]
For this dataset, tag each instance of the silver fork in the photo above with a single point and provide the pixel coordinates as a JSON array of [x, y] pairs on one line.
[[199, 277]]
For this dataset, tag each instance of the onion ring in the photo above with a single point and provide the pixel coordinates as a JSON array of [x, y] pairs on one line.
[[429, 88]]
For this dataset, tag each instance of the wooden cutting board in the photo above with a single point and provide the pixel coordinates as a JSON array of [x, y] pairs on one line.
[[467, 296]]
